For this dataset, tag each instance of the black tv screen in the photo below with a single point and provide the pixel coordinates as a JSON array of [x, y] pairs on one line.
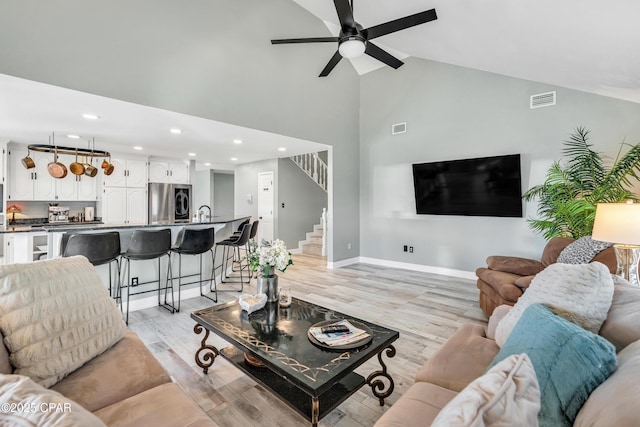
[[487, 186]]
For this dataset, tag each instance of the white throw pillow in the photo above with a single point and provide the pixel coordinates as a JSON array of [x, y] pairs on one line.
[[25, 403], [580, 293], [55, 316], [507, 395]]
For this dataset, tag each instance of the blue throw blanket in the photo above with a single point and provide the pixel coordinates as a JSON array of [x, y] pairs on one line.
[[569, 361]]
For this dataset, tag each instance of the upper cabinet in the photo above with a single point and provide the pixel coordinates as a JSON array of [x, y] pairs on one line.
[[176, 172], [127, 173], [36, 183], [30, 184]]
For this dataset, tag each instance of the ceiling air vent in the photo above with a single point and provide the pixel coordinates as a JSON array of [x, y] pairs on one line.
[[398, 128], [546, 99]]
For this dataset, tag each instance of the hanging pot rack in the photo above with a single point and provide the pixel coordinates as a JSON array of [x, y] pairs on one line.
[[44, 148]]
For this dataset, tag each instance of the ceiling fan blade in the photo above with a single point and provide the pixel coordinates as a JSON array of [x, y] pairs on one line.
[[306, 40], [382, 56], [345, 14], [331, 65], [400, 24]]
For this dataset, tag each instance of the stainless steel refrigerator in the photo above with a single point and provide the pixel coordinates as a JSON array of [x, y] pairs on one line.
[[169, 203]]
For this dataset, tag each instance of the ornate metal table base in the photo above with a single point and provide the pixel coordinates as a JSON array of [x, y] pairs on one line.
[[210, 352], [377, 384]]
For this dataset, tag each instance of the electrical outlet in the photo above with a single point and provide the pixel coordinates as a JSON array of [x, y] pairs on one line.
[[134, 281], [410, 249], [404, 248], [348, 246]]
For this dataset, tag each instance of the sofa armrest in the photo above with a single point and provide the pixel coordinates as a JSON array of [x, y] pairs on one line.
[[462, 359], [514, 265]]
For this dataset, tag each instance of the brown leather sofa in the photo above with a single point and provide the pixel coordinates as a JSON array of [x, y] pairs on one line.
[[506, 278]]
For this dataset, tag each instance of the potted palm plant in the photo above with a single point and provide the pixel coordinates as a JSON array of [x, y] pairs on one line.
[[568, 197]]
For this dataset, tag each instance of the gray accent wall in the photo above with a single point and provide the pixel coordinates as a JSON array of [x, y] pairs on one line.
[[223, 194], [210, 59], [456, 113], [246, 189], [299, 205]]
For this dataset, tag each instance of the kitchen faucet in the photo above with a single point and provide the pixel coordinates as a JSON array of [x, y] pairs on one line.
[[200, 213]]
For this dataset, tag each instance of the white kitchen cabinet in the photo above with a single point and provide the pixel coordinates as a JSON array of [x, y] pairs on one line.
[[122, 205], [76, 187], [175, 172], [30, 184], [25, 247], [127, 173]]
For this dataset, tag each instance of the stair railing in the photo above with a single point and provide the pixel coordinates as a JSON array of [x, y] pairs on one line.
[[314, 167]]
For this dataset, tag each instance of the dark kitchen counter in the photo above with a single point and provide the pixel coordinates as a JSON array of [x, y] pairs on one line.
[[97, 225]]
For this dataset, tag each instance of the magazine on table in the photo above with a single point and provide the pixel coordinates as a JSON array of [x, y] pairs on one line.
[[339, 333]]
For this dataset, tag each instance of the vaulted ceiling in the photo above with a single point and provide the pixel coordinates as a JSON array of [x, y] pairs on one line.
[[586, 45]]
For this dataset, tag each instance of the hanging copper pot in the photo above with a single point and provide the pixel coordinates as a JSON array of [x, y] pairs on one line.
[[28, 162], [76, 167], [90, 170], [55, 168], [108, 169]]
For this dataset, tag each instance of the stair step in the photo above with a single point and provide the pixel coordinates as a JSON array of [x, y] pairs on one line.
[[316, 240], [312, 249]]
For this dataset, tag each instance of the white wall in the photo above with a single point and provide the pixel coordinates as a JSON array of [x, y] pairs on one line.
[[456, 113], [223, 194], [246, 187]]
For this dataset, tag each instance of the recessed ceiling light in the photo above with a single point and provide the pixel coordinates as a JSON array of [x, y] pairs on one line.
[[137, 147], [207, 164], [234, 159], [192, 154], [237, 141], [175, 130], [90, 116], [73, 136], [282, 149]]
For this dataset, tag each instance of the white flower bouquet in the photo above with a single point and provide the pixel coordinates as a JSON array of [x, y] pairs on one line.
[[269, 256]]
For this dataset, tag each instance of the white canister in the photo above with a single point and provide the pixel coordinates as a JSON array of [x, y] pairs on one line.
[[89, 213]]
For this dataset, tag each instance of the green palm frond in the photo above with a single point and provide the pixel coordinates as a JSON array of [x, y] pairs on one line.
[[567, 199]]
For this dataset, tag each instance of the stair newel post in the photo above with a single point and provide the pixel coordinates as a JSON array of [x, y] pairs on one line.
[[323, 221]]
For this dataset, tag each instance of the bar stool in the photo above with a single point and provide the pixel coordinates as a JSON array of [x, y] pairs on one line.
[[147, 245], [194, 242], [246, 248], [99, 248], [226, 245]]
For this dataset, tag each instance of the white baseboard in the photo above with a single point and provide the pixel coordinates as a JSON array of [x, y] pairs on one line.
[[405, 265], [344, 262], [297, 250]]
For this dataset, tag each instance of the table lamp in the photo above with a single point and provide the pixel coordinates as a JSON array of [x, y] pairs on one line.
[[619, 223], [13, 209]]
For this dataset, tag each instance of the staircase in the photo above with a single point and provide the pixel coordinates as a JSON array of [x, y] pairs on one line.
[[314, 167], [313, 243]]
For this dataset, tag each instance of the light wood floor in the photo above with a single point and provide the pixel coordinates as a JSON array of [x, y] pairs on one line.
[[425, 308]]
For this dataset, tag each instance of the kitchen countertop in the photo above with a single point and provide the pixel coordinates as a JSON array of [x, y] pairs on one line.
[[97, 225]]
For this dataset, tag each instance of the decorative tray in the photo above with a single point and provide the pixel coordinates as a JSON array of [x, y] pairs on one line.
[[356, 344]]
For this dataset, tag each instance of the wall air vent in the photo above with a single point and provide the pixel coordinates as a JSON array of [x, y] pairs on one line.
[[398, 128], [546, 99]]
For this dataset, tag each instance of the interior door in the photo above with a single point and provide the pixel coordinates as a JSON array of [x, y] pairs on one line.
[[265, 205]]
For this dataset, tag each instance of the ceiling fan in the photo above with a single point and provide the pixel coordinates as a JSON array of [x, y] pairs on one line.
[[354, 40]]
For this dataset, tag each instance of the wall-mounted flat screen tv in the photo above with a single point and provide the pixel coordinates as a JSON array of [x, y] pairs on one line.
[[487, 186]]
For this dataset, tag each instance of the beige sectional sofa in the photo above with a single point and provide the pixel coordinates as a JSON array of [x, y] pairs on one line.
[[467, 354], [64, 341]]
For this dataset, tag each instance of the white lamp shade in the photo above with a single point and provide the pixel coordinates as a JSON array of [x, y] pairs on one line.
[[617, 223], [351, 48]]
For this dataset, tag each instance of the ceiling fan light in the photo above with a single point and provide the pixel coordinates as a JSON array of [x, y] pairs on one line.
[[352, 47]]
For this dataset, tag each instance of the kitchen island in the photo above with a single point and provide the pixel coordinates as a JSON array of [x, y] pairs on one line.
[[29, 243]]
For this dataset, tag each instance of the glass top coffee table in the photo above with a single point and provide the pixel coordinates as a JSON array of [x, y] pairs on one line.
[[272, 347]]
